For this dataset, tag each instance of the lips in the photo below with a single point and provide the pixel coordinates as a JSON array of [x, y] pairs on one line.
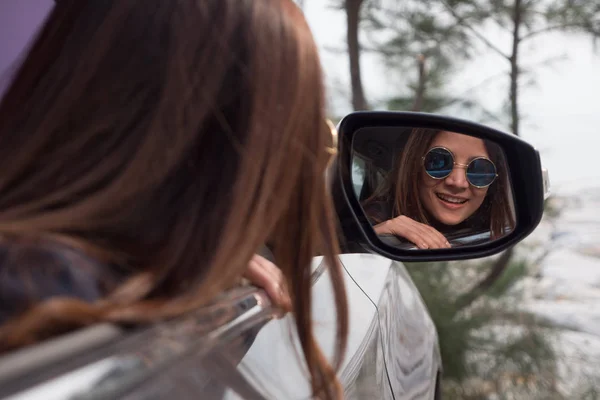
[[451, 199]]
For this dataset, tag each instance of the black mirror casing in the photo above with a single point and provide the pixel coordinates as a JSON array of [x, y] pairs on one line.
[[525, 173]]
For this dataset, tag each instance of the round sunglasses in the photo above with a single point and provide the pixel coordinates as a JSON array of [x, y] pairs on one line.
[[439, 163]]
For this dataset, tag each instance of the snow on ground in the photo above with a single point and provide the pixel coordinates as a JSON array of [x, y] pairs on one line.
[[566, 289]]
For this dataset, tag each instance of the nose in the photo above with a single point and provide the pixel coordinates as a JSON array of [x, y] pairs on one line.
[[458, 178]]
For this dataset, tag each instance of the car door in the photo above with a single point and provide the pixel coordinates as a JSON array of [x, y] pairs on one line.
[[408, 335], [273, 363], [392, 346]]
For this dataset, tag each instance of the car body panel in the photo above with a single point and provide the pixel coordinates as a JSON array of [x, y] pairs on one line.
[[409, 337], [273, 362]]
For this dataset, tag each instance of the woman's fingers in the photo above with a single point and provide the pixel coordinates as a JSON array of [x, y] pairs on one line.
[[408, 229], [427, 239], [266, 275], [422, 235], [414, 232], [436, 237], [432, 238]]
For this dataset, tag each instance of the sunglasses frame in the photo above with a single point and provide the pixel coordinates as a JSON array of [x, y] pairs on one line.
[[454, 164]]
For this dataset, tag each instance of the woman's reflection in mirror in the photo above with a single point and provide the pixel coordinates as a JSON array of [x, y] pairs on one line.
[[435, 189]]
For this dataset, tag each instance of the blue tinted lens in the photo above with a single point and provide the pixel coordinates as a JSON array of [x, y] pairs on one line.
[[439, 163], [481, 172]]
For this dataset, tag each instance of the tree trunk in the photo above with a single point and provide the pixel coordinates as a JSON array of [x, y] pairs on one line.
[[420, 92], [496, 272], [500, 265], [514, 69], [353, 21]]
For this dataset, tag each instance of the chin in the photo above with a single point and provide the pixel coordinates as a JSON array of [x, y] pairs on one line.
[[450, 221]]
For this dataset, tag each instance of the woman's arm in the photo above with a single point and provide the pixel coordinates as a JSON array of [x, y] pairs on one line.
[[422, 235]]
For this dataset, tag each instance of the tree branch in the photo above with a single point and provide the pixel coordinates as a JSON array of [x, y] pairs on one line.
[[484, 82], [496, 271], [500, 25], [457, 101], [556, 27], [481, 37]]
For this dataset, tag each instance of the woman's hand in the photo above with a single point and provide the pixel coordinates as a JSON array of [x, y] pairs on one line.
[[266, 275], [422, 235]]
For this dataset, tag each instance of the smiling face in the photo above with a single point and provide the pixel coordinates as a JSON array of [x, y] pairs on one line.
[[452, 200]]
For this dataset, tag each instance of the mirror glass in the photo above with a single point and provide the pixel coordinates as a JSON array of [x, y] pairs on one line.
[[430, 189]]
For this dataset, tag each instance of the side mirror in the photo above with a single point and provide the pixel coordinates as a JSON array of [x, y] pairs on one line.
[[425, 187]]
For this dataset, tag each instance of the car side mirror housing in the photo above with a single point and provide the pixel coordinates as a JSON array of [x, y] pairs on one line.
[[425, 187]]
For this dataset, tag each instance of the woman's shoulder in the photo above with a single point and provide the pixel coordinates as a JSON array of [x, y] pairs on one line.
[[34, 270]]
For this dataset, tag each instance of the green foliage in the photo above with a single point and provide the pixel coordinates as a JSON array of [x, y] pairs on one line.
[[430, 103], [582, 16], [489, 340], [445, 33], [591, 393], [516, 271], [435, 285], [409, 34]]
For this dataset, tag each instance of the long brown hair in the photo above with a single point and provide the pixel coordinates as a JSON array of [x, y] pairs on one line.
[[171, 139], [400, 187]]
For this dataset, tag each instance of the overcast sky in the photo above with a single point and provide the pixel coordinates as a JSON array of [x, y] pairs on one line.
[[562, 113]]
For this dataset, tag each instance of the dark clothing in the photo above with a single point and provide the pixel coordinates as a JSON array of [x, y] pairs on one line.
[[32, 271]]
